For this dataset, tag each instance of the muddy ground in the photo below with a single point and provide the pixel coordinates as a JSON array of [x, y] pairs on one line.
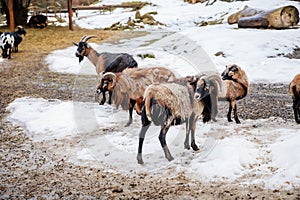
[[35, 170]]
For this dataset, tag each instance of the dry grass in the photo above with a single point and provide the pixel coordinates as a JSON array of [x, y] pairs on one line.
[[43, 41], [26, 73]]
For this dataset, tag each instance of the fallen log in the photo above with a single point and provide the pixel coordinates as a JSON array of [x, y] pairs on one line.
[[246, 12], [279, 18]]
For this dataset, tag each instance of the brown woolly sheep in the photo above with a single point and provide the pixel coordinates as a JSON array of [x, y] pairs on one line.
[[127, 88], [295, 92], [168, 104], [234, 87]]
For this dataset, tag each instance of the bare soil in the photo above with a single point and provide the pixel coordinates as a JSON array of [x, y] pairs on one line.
[[33, 170]]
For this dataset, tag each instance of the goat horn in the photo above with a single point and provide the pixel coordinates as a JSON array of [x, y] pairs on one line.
[[83, 38], [110, 75], [19, 26], [217, 78], [86, 38]]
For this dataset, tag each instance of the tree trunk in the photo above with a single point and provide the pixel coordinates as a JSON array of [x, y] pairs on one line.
[[70, 15], [278, 18], [11, 15], [20, 14], [19, 9]]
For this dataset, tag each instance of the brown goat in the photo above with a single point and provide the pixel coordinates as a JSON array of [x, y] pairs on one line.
[[234, 87], [104, 62], [295, 92], [128, 87], [169, 104]]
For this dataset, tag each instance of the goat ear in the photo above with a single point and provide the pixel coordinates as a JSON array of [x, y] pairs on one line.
[[76, 44]]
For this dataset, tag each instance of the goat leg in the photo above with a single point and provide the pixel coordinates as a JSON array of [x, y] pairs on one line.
[[103, 99], [162, 139], [193, 128], [141, 141], [186, 141], [109, 97], [229, 113], [296, 111], [236, 118], [131, 105]]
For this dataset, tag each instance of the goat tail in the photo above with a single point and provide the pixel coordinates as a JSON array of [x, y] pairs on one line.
[[148, 107]]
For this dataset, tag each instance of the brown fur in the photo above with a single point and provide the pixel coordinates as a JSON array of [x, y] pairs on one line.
[[235, 86], [129, 86], [168, 104], [131, 83], [295, 92], [295, 83], [175, 97]]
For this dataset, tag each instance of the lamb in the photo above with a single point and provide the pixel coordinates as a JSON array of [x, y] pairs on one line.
[[127, 87], [235, 86], [104, 62], [170, 104], [295, 92]]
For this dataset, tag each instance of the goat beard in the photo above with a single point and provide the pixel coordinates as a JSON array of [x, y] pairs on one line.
[[80, 58]]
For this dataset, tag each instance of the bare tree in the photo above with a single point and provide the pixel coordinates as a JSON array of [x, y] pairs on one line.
[[18, 13]]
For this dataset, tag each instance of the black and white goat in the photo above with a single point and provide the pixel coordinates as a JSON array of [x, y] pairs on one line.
[[9, 41]]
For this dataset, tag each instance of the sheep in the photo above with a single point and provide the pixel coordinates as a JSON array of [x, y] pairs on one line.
[[127, 87], [168, 104], [9, 41], [207, 88], [234, 87], [295, 92], [104, 62], [37, 21]]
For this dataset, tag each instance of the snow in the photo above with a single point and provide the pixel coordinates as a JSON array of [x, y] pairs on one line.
[[228, 152], [258, 52], [266, 154]]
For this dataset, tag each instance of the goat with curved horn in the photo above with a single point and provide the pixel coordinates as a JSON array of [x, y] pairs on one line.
[[103, 62]]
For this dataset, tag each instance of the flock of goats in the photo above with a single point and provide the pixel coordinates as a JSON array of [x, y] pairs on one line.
[[156, 94], [159, 97]]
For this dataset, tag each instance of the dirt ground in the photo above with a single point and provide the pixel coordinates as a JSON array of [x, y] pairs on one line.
[[32, 170]]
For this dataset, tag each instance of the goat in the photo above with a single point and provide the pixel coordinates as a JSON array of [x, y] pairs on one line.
[[295, 92], [37, 21], [9, 41], [234, 87], [104, 62], [18, 37], [207, 86], [127, 87], [170, 104], [6, 44]]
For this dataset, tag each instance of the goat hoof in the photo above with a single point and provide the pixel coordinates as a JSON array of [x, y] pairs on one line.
[[237, 121], [194, 146], [170, 158], [128, 123], [187, 147], [140, 159]]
